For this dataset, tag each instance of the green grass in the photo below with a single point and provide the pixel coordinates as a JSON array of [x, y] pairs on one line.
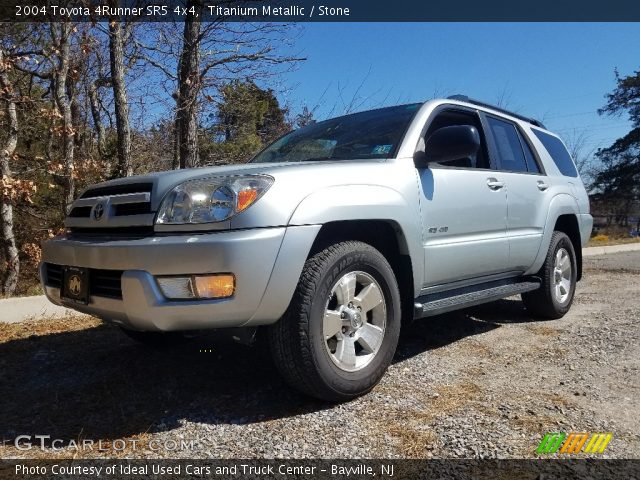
[[612, 241]]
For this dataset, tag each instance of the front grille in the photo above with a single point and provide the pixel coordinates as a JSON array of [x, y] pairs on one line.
[[80, 212], [105, 283], [102, 283], [54, 275], [118, 190], [112, 210], [139, 208]]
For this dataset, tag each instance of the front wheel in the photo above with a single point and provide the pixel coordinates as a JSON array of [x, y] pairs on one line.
[[340, 332], [559, 275]]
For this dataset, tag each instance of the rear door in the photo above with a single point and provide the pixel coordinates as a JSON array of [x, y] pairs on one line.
[[526, 186]]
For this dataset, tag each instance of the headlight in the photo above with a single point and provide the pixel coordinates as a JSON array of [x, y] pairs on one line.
[[210, 200]]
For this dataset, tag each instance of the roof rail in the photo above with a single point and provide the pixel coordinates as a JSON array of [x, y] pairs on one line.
[[464, 98]]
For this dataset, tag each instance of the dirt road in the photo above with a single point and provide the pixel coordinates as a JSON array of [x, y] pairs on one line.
[[485, 382]]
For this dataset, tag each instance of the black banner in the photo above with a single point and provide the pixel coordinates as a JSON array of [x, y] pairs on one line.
[[322, 11], [582, 469]]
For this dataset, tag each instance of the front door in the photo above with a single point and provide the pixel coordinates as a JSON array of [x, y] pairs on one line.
[[464, 220], [464, 212]]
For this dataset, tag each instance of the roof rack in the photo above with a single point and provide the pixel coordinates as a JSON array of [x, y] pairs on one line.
[[464, 98]]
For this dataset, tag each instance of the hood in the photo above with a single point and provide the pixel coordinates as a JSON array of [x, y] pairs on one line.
[[163, 182], [293, 183]]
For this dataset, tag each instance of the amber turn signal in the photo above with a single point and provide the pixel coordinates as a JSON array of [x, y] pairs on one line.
[[214, 286], [246, 198]]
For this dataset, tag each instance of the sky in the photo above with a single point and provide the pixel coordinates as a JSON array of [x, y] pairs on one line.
[[558, 73]]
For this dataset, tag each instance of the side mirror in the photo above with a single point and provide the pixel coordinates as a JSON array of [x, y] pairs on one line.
[[448, 144]]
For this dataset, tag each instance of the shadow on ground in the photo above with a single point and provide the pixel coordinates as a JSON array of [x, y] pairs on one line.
[[96, 383]]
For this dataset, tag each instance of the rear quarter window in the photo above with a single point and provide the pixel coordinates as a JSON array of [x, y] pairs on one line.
[[558, 153]]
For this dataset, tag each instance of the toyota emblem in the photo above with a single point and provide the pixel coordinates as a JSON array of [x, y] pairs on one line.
[[98, 211]]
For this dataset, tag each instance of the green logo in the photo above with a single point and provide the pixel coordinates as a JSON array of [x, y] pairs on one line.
[[573, 442]]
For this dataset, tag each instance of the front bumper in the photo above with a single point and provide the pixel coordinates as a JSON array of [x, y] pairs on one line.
[[265, 278]]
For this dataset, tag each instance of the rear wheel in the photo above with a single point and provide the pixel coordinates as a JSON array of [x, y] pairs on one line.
[[558, 274], [341, 329]]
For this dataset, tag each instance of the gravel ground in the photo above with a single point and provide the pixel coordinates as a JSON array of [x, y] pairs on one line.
[[487, 382]]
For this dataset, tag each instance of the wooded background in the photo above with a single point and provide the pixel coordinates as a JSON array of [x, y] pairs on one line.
[[86, 102]]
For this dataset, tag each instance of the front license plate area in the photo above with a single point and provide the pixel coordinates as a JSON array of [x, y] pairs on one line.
[[75, 284]]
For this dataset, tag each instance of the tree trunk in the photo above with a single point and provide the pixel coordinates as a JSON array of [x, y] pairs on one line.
[[64, 105], [175, 160], [189, 86], [95, 115], [116, 53], [9, 247]]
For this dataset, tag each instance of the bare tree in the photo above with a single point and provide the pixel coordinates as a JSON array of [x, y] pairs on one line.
[[10, 249], [116, 54], [578, 146], [61, 39], [189, 86], [54, 67], [93, 88], [207, 57]]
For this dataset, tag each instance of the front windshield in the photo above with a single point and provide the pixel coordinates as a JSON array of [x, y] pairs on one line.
[[372, 134]]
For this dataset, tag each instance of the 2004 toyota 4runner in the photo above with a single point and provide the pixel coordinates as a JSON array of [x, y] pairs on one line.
[[332, 235]]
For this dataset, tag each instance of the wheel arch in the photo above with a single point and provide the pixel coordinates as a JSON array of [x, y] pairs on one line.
[[561, 216], [366, 207], [568, 224]]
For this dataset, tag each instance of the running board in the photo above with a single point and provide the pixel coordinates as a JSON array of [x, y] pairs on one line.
[[437, 303]]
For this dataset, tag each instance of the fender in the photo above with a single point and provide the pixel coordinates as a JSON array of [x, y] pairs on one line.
[[561, 204], [367, 202]]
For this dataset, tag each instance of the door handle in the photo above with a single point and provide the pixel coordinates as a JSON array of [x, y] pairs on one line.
[[542, 186], [494, 183]]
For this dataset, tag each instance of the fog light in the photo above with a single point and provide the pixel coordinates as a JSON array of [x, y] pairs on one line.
[[198, 286], [214, 286], [176, 288]]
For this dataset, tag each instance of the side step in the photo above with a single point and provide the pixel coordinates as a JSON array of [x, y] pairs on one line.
[[441, 302]]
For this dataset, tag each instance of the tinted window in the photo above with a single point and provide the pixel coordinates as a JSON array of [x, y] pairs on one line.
[[508, 145], [532, 164], [449, 118], [558, 153], [372, 134]]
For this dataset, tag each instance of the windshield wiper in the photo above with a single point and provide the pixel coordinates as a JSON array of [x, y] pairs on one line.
[[317, 159]]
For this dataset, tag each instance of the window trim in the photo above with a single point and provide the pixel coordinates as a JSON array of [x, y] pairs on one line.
[[493, 145], [534, 152]]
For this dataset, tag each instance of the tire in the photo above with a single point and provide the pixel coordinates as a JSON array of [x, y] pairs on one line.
[[554, 297], [155, 340], [309, 356]]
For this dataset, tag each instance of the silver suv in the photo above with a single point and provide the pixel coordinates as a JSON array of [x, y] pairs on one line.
[[334, 235]]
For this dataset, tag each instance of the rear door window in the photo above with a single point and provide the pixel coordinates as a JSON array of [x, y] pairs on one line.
[[508, 144]]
